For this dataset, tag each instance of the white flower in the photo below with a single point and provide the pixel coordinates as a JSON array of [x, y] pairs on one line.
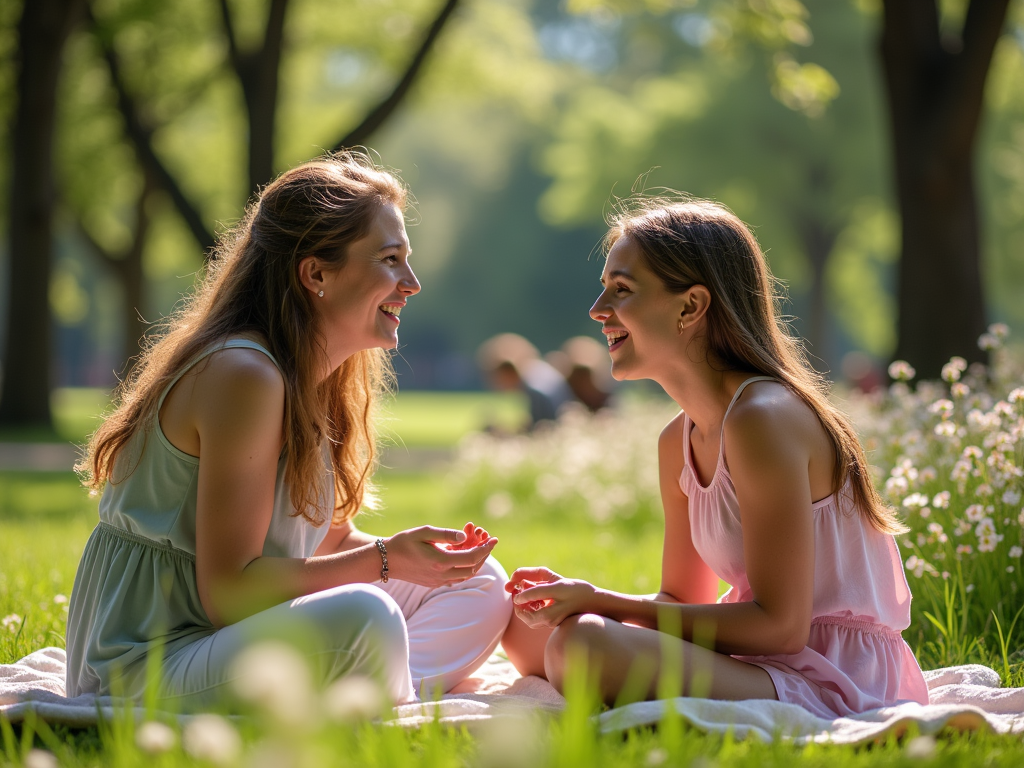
[[945, 429], [941, 500], [155, 738], [999, 330], [942, 407], [988, 341], [919, 566], [656, 756], [274, 676], [975, 512], [353, 698], [1016, 551], [928, 474], [959, 390], [11, 621], [964, 549], [986, 527], [1016, 396], [901, 370], [1011, 497], [921, 748], [896, 486], [950, 373], [40, 758], [212, 738], [988, 543], [60, 599], [983, 491], [915, 501]]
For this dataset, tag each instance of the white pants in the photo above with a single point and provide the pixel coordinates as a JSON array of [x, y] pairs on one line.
[[410, 638]]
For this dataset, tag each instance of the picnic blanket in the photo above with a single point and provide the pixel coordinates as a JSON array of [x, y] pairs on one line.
[[963, 698]]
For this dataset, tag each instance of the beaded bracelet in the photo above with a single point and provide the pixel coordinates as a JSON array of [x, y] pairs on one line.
[[384, 560]]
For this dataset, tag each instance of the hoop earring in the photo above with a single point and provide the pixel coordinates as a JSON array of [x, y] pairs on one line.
[[321, 295]]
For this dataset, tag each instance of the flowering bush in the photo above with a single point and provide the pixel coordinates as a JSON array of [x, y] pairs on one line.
[[948, 453]]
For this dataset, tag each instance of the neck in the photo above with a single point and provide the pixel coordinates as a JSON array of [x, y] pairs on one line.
[[702, 391]]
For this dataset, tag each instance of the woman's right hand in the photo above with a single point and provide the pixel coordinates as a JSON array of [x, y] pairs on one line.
[[420, 555]]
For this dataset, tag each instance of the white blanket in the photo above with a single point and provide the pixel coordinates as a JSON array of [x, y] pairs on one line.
[[963, 698]]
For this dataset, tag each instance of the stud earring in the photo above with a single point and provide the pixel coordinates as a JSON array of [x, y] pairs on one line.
[[680, 325], [321, 295]]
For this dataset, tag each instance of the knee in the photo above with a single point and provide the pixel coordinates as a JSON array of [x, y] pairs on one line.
[[355, 610], [577, 640]]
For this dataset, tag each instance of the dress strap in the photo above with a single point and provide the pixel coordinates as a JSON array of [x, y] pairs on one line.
[[735, 397], [229, 344]]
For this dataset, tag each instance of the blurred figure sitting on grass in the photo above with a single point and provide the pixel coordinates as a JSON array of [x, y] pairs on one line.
[[583, 362], [510, 363], [240, 451]]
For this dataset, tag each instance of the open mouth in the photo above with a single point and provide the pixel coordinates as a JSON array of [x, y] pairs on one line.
[[391, 310], [616, 339]]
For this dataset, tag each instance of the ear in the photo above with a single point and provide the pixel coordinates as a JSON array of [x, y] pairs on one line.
[[694, 304], [311, 274]]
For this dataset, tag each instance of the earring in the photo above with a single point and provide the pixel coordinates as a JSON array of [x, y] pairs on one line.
[[680, 325], [321, 295]]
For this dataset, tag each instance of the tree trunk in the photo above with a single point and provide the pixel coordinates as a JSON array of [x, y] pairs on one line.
[[42, 32], [935, 89], [818, 240]]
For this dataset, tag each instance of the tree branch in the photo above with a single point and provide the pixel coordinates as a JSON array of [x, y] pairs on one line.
[[141, 137], [229, 32], [383, 110], [982, 28]]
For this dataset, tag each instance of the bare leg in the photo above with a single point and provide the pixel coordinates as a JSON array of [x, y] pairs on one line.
[[525, 647], [630, 662]]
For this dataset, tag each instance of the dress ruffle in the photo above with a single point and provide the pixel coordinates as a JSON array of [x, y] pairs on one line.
[[846, 668], [138, 594]]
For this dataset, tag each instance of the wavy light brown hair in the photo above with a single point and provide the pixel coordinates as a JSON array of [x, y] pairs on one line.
[[698, 242], [252, 288]]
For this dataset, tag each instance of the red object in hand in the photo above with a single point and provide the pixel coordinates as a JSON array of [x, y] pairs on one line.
[[534, 605]]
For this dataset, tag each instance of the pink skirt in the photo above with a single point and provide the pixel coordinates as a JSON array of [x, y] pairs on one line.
[[847, 667]]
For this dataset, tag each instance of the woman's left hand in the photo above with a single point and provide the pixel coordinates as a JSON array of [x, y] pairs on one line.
[[550, 603]]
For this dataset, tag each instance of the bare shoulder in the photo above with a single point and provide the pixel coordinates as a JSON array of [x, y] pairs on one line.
[[769, 416], [672, 433], [238, 380]]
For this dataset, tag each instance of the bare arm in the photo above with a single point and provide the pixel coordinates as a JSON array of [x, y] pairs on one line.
[[236, 406], [769, 447]]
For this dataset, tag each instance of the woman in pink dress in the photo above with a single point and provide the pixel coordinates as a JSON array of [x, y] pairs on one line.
[[764, 486]]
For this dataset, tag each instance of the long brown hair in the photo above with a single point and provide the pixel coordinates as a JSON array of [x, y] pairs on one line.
[[697, 242], [252, 287]]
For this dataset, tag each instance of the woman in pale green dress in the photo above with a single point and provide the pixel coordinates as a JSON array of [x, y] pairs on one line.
[[239, 452]]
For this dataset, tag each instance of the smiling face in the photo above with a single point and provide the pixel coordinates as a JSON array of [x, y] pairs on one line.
[[639, 317], [363, 299]]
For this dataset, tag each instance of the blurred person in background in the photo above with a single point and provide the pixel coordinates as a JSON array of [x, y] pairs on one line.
[[583, 361], [510, 363]]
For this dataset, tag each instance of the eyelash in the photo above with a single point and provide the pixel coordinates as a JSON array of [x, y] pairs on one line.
[[391, 257]]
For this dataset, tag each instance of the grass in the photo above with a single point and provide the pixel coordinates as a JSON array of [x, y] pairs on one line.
[[45, 520]]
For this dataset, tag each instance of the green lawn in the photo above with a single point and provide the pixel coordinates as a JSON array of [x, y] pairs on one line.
[[46, 518], [413, 419]]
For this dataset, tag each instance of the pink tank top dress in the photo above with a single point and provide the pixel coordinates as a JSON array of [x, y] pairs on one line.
[[855, 658]]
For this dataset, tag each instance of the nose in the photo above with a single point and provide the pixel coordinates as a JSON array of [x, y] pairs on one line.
[[600, 311], [407, 283]]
